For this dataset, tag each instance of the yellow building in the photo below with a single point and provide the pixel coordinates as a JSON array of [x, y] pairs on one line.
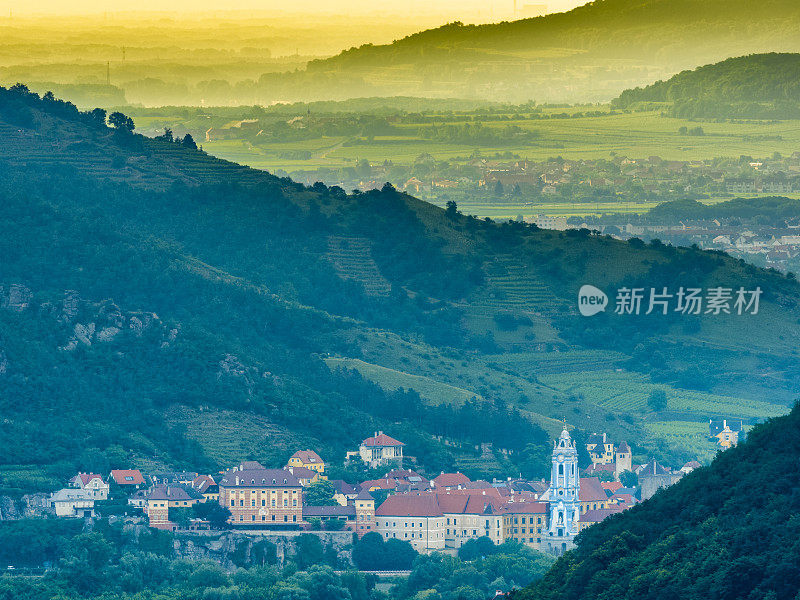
[[600, 449], [525, 521], [591, 494], [163, 497], [309, 460], [727, 438], [262, 497]]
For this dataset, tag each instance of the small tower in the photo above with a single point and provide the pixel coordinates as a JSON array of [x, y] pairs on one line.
[[565, 505], [622, 460], [365, 512]]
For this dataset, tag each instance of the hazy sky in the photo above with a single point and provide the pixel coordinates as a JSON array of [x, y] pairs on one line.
[[451, 8]]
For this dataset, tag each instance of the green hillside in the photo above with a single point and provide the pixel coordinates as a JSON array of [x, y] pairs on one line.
[[153, 296], [594, 48], [762, 86], [728, 530]]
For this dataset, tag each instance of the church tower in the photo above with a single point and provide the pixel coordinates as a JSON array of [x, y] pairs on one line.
[[565, 505]]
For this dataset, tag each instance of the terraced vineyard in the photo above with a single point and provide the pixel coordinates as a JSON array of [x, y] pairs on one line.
[[622, 391], [689, 434], [512, 285], [553, 363], [352, 259]]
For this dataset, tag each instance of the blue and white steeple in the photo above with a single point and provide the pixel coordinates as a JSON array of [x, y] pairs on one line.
[[564, 495]]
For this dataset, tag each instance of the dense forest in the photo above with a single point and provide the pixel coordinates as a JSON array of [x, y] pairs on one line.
[[759, 86], [729, 530], [144, 273], [122, 563]]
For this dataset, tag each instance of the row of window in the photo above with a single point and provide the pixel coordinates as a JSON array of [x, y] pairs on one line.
[[264, 503], [264, 518]]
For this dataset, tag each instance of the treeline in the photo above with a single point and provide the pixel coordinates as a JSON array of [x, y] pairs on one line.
[[122, 563], [708, 536], [759, 86]]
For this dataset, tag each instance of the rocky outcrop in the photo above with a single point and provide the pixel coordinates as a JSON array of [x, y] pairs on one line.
[[27, 507], [86, 322], [232, 548]]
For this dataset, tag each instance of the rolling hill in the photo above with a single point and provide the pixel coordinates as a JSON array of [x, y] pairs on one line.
[[728, 530], [756, 86], [161, 307], [587, 54]]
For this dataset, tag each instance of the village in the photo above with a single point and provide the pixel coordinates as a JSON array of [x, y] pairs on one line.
[[440, 513]]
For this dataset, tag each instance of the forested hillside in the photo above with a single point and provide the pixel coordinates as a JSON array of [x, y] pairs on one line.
[[729, 530], [159, 306], [764, 86], [596, 47]]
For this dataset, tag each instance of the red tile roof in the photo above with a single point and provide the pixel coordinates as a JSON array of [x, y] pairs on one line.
[[381, 439], [127, 476], [307, 456], [451, 479], [85, 478], [595, 516], [527, 508], [611, 486], [409, 505], [591, 490], [383, 484]]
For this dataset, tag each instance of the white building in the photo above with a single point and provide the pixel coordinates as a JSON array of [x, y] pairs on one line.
[[71, 502], [413, 518], [91, 483], [380, 450]]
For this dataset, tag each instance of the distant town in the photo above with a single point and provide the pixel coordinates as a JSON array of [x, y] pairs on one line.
[[440, 513]]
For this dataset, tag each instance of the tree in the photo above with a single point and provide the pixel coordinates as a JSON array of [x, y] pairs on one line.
[[213, 512], [320, 494], [188, 142], [629, 479], [657, 400], [452, 209], [308, 551], [121, 122], [371, 553], [477, 548]]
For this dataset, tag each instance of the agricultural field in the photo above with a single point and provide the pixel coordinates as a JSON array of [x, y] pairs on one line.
[[632, 134]]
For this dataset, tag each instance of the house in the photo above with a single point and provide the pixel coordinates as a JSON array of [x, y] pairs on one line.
[[653, 477], [127, 478], [414, 518], [91, 483], [596, 515], [305, 476], [72, 502], [364, 505], [380, 450], [690, 466], [600, 449], [470, 515], [451, 481], [591, 495], [525, 521], [343, 492], [138, 499], [173, 478], [727, 432], [307, 459], [162, 498], [206, 485], [264, 497]]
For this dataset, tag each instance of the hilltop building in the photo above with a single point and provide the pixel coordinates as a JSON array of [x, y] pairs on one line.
[[380, 450]]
